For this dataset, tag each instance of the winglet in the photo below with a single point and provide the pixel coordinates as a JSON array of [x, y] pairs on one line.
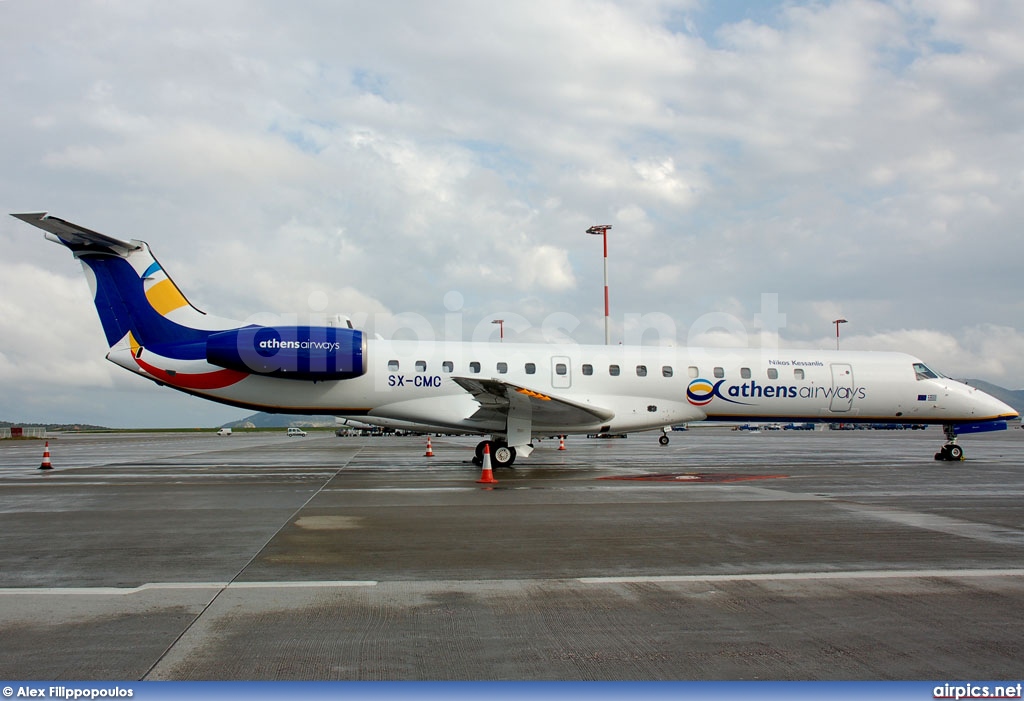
[[77, 238]]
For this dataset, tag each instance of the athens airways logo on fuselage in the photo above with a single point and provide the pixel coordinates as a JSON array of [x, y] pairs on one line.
[[700, 392]]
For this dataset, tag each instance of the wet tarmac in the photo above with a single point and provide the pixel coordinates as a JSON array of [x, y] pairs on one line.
[[726, 555]]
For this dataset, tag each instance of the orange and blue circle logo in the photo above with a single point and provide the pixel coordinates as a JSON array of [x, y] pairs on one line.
[[700, 391]]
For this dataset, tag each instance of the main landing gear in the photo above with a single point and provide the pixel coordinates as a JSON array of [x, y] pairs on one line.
[[950, 451], [502, 454]]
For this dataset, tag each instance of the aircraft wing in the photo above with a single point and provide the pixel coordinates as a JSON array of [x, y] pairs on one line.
[[495, 397]]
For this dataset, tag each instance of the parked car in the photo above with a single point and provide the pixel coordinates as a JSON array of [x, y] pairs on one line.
[[296, 432]]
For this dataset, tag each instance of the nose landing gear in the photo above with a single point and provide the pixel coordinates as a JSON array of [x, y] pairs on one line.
[[950, 451]]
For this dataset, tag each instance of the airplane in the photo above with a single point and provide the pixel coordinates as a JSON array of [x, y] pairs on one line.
[[510, 393]]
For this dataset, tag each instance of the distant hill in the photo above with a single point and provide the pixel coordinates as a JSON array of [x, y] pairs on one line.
[[265, 420], [1013, 397], [54, 427]]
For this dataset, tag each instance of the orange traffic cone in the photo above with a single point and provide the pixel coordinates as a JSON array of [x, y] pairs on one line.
[[430, 450], [561, 442], [46, 458], [487, 475]]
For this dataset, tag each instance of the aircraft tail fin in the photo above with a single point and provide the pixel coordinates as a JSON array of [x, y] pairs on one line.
[[130, 288]]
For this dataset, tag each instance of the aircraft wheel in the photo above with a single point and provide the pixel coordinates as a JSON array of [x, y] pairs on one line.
[[503, 455], [478, 456], [939, 456], [955, 452], [663, 440]]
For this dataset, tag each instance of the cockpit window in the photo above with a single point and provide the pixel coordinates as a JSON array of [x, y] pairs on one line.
[[924, 372]]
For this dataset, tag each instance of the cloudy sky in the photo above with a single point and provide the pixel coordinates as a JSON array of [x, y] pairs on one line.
[[400, 161]]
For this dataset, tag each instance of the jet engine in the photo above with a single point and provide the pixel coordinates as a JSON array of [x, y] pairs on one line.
[[295, 352]]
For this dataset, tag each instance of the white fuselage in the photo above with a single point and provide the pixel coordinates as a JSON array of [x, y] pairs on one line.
[[641, 387]]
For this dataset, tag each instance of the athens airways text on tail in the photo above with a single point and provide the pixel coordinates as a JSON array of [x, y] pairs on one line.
[[510, 393]]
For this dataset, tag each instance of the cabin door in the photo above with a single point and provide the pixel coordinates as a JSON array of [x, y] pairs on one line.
[[842, 387]]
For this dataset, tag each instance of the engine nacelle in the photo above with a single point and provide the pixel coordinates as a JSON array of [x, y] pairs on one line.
[[295, 352]]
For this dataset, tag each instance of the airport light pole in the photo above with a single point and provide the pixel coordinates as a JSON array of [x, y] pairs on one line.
[[603, 230], [501, 329], [837, 322]]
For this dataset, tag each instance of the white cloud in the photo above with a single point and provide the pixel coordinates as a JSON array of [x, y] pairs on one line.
[[51, 333], [859, 158]]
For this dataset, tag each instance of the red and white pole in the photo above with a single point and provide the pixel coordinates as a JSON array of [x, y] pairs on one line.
[[603, 230], [607, 339]]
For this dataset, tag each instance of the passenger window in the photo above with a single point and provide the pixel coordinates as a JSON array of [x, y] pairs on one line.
[[474, 367], [719, 372], [798, 374], [531, 369], [641, 371], [923, 372], [392, 365], [561, 369], [448, 366], [745, 373], [502, 368], [693, 372], [421, 366], [666, 371], [588, 369], [613, 370], [773, 374]]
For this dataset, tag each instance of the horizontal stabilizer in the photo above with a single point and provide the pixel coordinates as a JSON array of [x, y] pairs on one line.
[[77, 238]]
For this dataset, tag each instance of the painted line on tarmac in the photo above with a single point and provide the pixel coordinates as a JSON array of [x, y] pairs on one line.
[[212, 586], [299, 585], [962, 528], [796, 576], [644, 579]]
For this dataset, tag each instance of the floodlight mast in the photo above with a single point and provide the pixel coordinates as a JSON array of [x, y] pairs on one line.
[[602, 229], [837, 322]]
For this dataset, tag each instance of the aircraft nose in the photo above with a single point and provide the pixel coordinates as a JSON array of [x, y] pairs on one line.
[[983, 406], [997, 408]]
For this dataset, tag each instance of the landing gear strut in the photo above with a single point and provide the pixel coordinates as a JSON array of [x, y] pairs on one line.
[[950, 451]]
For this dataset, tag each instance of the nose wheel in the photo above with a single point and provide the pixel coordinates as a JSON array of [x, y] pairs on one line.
[[950, 451]]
